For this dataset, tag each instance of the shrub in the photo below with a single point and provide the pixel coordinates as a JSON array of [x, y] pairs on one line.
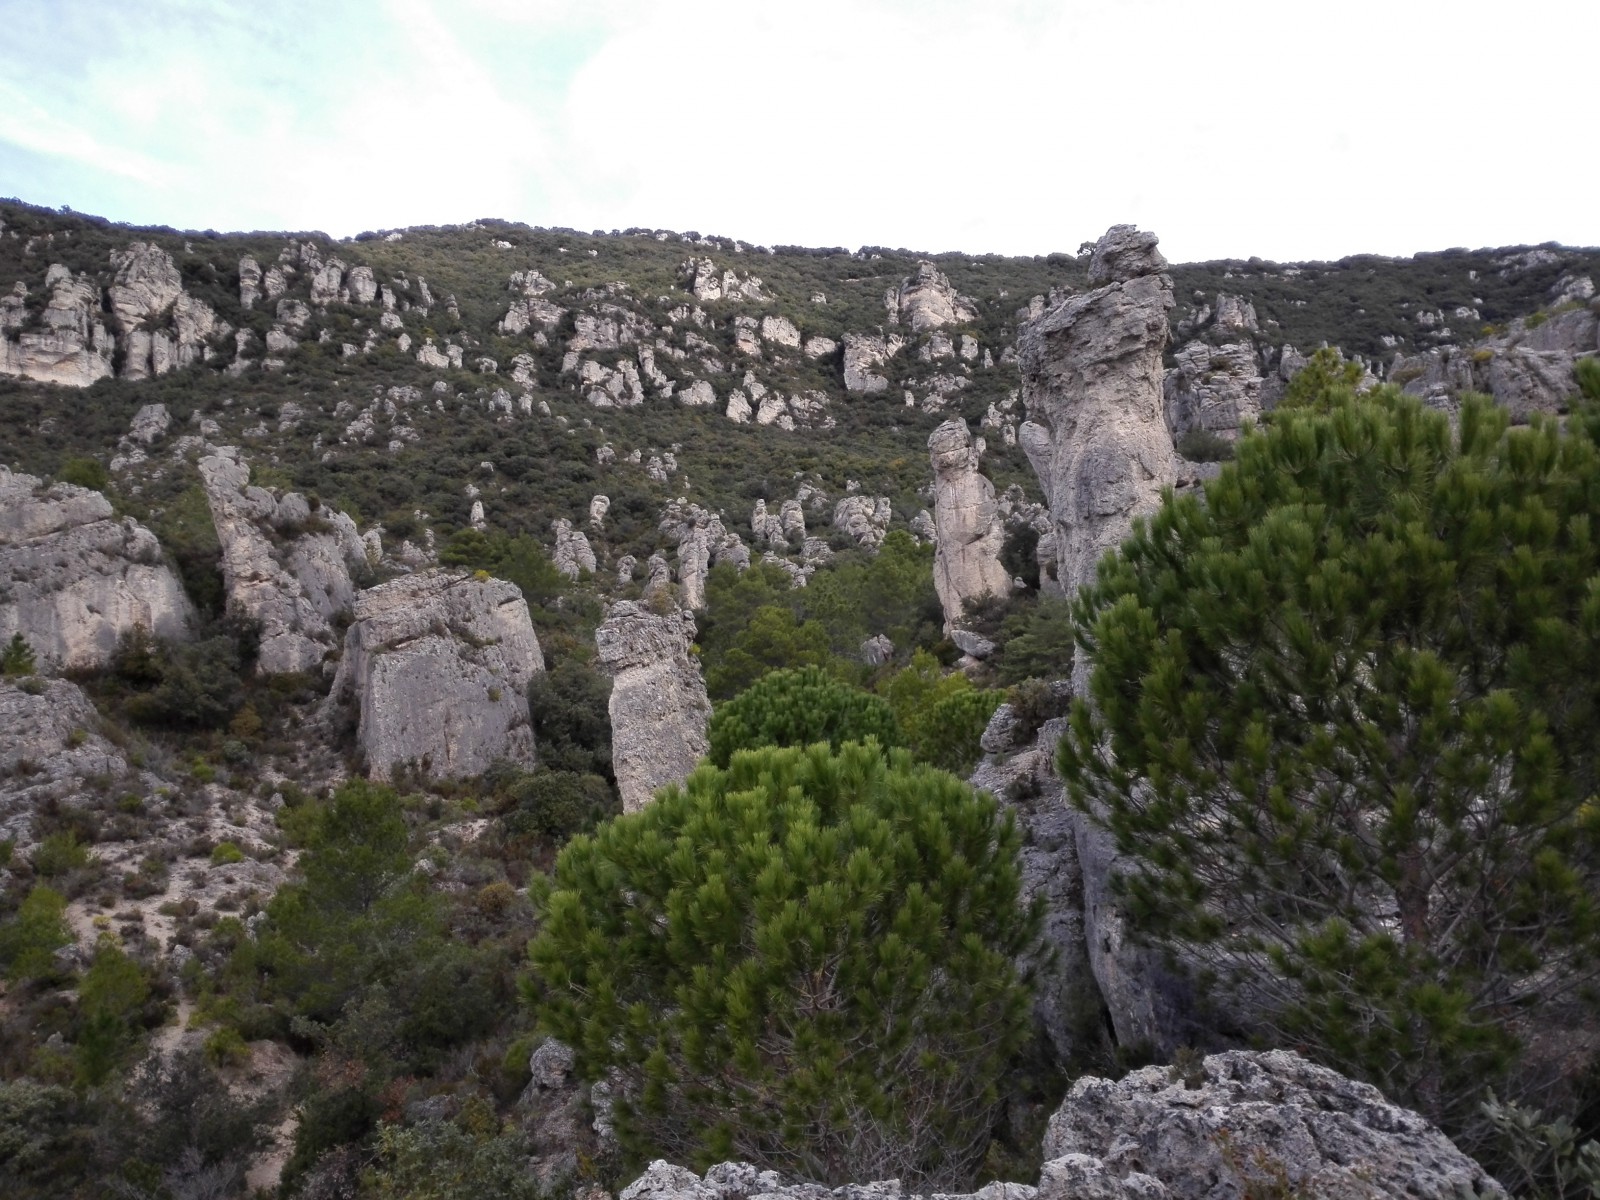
[[29, 941], [444, 1160], [797, 708], [85, 473], [558, 804], [225, 853], [804, 961], [17, 658], [1345, 728], [59, 854], [568, 706]]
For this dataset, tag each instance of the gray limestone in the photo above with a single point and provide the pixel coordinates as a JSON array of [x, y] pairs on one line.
[[966, 564]]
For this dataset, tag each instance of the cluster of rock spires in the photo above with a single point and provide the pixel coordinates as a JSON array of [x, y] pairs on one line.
[[1231, 1126]]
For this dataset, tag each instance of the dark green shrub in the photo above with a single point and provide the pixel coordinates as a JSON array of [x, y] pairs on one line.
[[59, 854], [1205, 445], [797, 708], [29, 940], [805, 961], [17, 658], [557, 804], [85, 473], [568, 706]]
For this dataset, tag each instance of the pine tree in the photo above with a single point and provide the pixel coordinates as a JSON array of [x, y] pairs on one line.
[[805, 961], [17, 658], [797, 708], [1345, 721]]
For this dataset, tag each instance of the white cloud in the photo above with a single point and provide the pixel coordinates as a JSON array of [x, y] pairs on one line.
[[1018, 126]]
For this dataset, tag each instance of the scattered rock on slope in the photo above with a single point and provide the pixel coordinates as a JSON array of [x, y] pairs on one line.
[[659, 709], [437, 666], [73, 579]]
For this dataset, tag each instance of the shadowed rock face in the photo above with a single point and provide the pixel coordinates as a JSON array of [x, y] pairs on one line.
[[966, 563], [1096, 433], [438, 665], [73, 579], [659, 709]]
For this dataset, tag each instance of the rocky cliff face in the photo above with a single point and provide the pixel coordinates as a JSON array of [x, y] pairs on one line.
[[437, 667], [659, 709], [73, 579], [69, 345], [161, 325], [966, 562], [928, 301], [1096, 433], [283, 564]]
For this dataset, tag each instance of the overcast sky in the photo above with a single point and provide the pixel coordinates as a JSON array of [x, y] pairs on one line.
[[1287, 129]]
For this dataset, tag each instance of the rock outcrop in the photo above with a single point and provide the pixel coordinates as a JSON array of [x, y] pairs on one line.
[[1240, 1117], [865, 519], [282, 564], [1237, 1125], [162, 326], [437, 666], [928, 301], [1097, 434], [1215, 389], [863, 352], [74, 579], [573, 555], [68, 345], [659, 709], [966, 563], [703, 542], [50, 748]]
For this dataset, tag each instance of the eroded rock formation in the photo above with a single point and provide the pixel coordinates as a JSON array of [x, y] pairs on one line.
[[928, 301], [1096, 433], [69, 344], [148, 291], [437, 666], [966, 563], [659, 709], [73, 578], [282, 564]]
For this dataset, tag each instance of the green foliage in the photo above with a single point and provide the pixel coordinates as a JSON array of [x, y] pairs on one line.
[[1345, 725], [194, 685], [804, 961], [59, 854], [554, 805], [17, 658], [569, 708], [942, 716], [450, 1160], [862, 596], [225, 853], [29, 940], [41, 1136], [1205, 445], [797, 708], [772, 641], [1326, 381], [110, 999], [519, 560], [1019, 554], [85, 473], [1036, 641], [1549, 1161]]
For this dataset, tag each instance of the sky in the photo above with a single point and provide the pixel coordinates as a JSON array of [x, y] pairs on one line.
[[1289, 130]]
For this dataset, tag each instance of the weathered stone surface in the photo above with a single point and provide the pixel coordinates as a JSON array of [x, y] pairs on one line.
[[863, 352], [659, 709], [147, 290], [73, 579], [928, 301], [1330, 1136], [864, 518], [573, 554], [780, 331], [707, 284], [289, 573], [1097, 434], [966, 563], [703, 542], [1213, 388], [51, 730], [69, 344], [877, 650], [437, 666]]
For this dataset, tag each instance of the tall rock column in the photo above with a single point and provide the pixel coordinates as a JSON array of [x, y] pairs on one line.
[[659, 709], [1097, 433], [966, 562], [1097, 437]]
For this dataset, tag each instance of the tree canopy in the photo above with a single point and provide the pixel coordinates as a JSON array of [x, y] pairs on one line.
[[1345, 724]]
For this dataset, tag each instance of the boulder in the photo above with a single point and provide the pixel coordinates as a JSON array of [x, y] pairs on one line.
[[282, 565], [1097, 434], [1227, 1126], [966, 563], [659, 709], [437, 667], [74, 579], [50, 746], [780, 331], [863, 352]]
